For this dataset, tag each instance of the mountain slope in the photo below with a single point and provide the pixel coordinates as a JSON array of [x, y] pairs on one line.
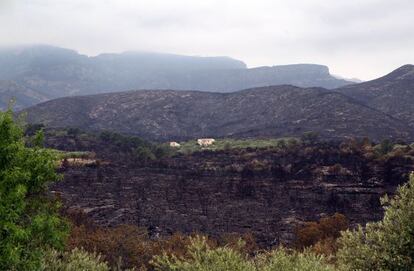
[[392, 94], [20, 95], [300, 75], [56, 72], [269, 111]]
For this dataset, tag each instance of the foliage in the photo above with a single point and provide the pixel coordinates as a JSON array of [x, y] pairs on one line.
[[74, 260], [282, 259], [123, 245], [203, 258], [141, 149], [326, 229], [32, 129], [387, 244], [144, 154], [232, 240], [74, 154], [28, 218], [130, 246], [384, 147]]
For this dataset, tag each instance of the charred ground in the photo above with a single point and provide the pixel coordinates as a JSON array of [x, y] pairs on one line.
[[265, 191]]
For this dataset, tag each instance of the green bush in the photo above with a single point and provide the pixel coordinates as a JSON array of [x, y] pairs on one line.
[[387, 244], [384, 147], [75, 260], [204, 258], [29, 220], [282, 259], [144, 154]]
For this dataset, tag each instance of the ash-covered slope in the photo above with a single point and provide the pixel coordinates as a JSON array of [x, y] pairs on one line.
[[269, 111], [392, 94]]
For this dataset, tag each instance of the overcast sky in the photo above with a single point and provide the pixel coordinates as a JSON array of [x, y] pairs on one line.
[[355, 38]]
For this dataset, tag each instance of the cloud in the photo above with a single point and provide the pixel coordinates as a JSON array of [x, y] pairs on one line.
[[355, 38]]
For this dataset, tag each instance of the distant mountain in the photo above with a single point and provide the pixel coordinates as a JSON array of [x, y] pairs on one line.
[[301, 75], [55, 72], [392, 94], [268, 111], [19, 95]]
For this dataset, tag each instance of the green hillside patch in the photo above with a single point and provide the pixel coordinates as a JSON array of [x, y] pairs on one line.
[[227, 143], [74, 154]]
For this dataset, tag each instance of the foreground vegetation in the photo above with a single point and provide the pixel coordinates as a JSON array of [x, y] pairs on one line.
[[325, 245], [29, 221], [36, 234]]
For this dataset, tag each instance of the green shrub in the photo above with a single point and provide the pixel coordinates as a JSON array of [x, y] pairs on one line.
[[144, 154], [204, 258], [282, 259], [384, 147], [75, 260], [29, 220], [74, 154], [387, 244]]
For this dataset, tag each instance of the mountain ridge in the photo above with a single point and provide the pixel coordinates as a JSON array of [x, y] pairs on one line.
[[57, 72], [392, 94], [274, 111]]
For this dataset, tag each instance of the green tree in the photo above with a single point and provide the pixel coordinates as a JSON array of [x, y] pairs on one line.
[[384, 147], [144, 154], [28, 218], [387, 244]]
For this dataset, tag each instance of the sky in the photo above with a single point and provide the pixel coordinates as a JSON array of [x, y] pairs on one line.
[[361, 39]]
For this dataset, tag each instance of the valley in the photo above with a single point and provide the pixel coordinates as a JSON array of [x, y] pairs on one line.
[[206, 135]]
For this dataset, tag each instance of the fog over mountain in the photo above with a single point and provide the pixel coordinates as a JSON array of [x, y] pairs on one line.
[[41, 73], [347, 36]]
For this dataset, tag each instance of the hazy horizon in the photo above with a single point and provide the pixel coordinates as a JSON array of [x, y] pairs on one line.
[[355, 40]]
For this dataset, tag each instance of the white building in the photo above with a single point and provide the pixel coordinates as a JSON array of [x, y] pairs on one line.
[[174, 145]]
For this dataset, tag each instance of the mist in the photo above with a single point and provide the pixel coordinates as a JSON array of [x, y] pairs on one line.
[[355, 39]]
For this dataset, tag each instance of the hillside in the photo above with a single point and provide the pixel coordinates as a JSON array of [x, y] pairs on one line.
[[261, 112], [267, 191], [56, 72], [392, 94], [21, 95]]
